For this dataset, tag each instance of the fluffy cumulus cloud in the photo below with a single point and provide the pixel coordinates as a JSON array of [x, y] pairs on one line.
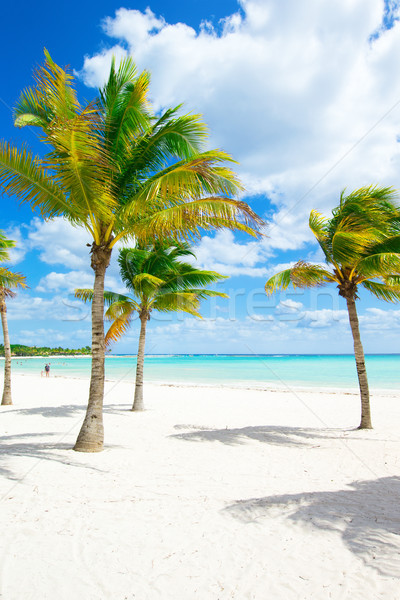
[[54, 282], [58, 242], [304, 94], [59, 307], [223, 254]]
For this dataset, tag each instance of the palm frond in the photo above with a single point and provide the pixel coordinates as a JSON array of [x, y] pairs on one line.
[[178, 302], [389, 244], [186, 220], [5, 245], [188, 276], [168, 140], [392, 280], [23, 175], [203, 175], [319, 226], [142, 278], [124, 102], [279, 281], [11, 280], [119, 308], [84, 294], [368, 208], [302, 275], [203, 294], [349, 246], [383, 291], [376, 265], [53, 99], [118, 328]]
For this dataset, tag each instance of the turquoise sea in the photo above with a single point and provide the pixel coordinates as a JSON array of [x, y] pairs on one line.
[[267, 371]]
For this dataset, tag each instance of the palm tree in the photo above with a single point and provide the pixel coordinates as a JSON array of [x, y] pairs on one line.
[[8, 281], [160, 281], [121, 172], [361, 245]]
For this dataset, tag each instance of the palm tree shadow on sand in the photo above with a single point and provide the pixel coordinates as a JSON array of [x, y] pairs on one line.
[[267, 434], [26, 445], [366, 515], [65, 410]]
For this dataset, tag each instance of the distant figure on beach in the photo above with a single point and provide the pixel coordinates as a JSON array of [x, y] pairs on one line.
[[47, 370]]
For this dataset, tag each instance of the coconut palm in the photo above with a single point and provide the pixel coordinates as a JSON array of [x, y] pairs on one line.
[[121, 172], [8, 282], [361, 245], [159, 281]]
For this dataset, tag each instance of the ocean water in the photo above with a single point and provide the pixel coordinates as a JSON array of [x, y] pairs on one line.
[[267, 371]]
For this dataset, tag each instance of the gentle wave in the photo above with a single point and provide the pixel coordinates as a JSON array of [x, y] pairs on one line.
[[261, 371]]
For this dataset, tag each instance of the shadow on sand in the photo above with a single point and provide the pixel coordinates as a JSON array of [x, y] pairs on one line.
[[16, 446], [275, 435], [64, 410], [366, 515]]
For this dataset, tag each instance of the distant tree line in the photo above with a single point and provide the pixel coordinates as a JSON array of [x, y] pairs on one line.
[[21, 350]]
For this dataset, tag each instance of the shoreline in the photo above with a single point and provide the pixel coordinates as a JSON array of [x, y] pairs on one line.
[[284, 388]]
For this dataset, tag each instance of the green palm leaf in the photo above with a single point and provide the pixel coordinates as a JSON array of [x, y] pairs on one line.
[[178, 302], [379, 265], [120, 308], [23, 175], [118, 328], [383, 291], [190, 218], [119, 171], [5, 245], [10, 280], [124, 102], [302, 274]]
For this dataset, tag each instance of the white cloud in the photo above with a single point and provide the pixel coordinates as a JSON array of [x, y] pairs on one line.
[[59, 307], [289, 306], [375, 320], [58, 242], [222, 254], [326, 318], [16, 233], [54, 282], [296, 91]]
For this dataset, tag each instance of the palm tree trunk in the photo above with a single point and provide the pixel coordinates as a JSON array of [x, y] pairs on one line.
[[360, 364], [91, 435], [138, 401], [6, 399]]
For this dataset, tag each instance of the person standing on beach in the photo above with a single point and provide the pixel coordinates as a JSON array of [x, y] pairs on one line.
[[47, 370]]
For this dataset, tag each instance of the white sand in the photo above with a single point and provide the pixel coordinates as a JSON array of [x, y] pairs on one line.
[[209, 494]]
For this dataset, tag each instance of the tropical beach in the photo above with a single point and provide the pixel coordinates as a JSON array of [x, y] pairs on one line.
[[225, 494], [199, 301]]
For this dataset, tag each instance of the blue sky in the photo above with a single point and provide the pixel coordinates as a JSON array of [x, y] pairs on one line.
[[306, 96]]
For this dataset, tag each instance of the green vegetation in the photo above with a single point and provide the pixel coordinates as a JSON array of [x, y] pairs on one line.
[[158, 280], [121, 171], [361, 246], [21, 350]]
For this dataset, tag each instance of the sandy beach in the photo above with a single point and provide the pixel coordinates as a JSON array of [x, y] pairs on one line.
[[210, 493]]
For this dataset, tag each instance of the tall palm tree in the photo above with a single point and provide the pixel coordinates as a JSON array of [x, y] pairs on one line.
[[361, 245], [8, 282], [121, 172], [159, 281]]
